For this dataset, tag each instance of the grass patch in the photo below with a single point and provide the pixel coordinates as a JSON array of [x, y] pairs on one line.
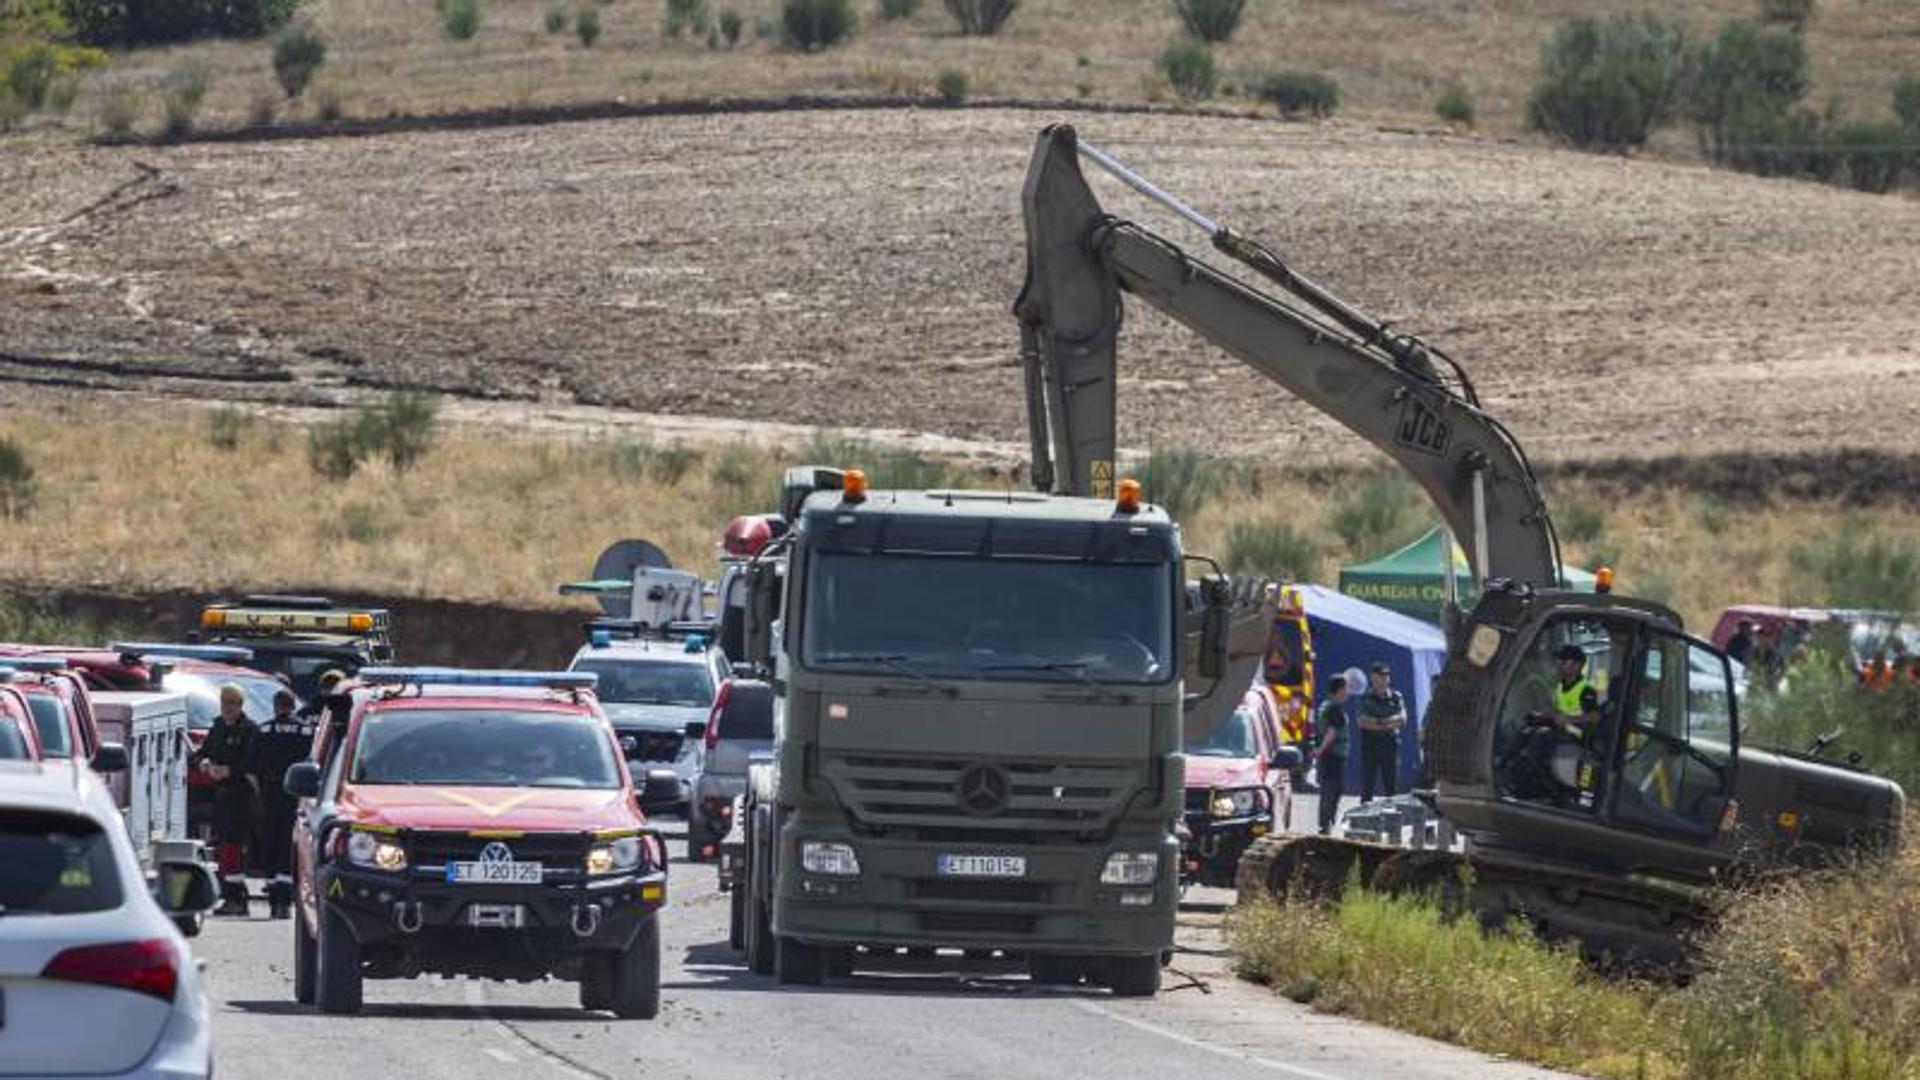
[[36, 621], [1378, 513], [1272, 547], [1853, 563]]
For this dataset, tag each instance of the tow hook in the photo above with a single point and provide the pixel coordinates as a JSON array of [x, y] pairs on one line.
[[586, 920], [408, 916]]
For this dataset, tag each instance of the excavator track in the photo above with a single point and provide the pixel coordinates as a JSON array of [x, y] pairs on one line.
[[1617, 923]]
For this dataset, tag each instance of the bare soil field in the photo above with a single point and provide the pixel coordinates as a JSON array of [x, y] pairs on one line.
[[856, 269]]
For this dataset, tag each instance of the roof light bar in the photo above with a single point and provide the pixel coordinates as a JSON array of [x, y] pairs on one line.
[[449, 676], [217, 654], [253, 620], [37, 663]]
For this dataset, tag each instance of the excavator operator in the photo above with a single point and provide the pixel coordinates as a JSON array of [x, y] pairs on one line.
[[1576, 704]]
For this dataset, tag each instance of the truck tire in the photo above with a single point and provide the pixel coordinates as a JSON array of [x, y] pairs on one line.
[[636, 975], [800, 964], [596, 981], [337, 975], [759, 937], [1050, 969], [305, 959], [1134, 976], [840, 961], [737, 918]]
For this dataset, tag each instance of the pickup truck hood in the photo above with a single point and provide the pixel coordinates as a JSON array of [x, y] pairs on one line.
[[448, 807], [654, 717], [1212, 772]]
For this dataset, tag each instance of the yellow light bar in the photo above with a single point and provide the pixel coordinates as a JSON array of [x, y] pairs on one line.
[[360, 622], [246, 619], [213, 618]]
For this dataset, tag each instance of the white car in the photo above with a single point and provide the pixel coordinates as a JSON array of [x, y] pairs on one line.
[[94, 978]]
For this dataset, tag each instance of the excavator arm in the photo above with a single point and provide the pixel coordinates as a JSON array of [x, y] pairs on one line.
[[1392, 390]]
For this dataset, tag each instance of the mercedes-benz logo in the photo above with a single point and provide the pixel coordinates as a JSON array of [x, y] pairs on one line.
[[983, 791], [496, 852]]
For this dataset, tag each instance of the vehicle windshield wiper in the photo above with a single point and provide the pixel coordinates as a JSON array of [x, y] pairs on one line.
[[1076, 668], [892, 661]]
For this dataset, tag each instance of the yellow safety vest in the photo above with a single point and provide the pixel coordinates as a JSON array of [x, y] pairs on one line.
[[1566, 700]]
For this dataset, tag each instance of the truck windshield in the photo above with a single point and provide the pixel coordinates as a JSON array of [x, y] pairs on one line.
[[484, 748], [994, 618]]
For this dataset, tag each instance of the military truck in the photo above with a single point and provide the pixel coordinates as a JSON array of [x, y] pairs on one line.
[[977, 735]]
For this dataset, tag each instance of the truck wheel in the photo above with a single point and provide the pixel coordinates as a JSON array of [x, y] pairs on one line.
[[636, 976], [304, 961], [189, 925], [1134, 976], [759, 933], [596, 981], [1047, 969], [840, 961], [337, 982], [737, 918], [800, 964]]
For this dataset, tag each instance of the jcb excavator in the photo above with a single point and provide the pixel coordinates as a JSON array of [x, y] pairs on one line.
[[1603, 829]]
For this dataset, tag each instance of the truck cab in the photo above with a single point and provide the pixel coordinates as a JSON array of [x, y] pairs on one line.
[[977, 734]]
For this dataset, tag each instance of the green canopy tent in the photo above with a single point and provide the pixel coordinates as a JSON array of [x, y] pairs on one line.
[[1410, 580]]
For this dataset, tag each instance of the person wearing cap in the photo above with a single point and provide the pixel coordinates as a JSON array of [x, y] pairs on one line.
[[226, 756], [1576, 704], [334, 706], [281, 742], [1383, 715]]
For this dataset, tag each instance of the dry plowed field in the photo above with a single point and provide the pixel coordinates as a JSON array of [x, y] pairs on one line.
[[856, 269]]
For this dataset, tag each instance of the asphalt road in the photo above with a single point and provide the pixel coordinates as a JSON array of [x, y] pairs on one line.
[[950, 1018]]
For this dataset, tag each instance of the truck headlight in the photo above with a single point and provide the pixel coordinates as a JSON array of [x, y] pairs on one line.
[[618, 857], [828, 857], [1234, 804], [1131, 868], [366, 849]]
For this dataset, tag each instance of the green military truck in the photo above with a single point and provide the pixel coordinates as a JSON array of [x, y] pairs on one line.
[[977, 734]]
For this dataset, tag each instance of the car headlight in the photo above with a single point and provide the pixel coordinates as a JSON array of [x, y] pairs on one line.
[[827, 857], [366, 849], [617, 857], [1234, 804], [1131, 868]]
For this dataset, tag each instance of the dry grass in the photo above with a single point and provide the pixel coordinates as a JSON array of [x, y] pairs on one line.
[[392, 56]]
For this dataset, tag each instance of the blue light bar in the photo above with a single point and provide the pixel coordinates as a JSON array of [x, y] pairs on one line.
[[37, 663], [449, 676], [216, 654], [6, 673]]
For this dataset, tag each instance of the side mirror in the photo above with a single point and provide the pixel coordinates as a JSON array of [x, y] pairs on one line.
[[185, 888], [696, 729], [110, 758], [659, 789], [1287, 757], [1213, 626], [302, 780]]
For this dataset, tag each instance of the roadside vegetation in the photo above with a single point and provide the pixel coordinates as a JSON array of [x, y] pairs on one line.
[[1814, 979]]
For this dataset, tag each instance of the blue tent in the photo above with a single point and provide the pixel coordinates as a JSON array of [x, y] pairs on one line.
[[1349, 633]]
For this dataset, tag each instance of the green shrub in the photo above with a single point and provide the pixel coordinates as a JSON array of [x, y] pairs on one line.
[[298, 52], [1906, 102], [18, 485], [133, 23], [1273, 548], [586, 26], [1212, 21], [1607, 83], [61, 95], [121, 104], [30, 73], [227, 426], [45, 621], [1856, 565], [687, 16], [981, 18], [951, 85], [329, 99], [1712, 514], [1744, 87], [731, 24], [1580, 521], [12, 110], [556, 19], [815, 24], [186, 87], [887, 467], [400, 427], [262, 107], [1454, 105], [1794, 13], [1296, 92], [1179, 481], [640, 459], [459, 19], [1188, 68], [1378, 511], [1874, 153], [365, 523], [334, 449], [898, 9]]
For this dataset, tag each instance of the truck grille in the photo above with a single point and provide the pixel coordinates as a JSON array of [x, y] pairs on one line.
[[981, 797], [652, 746], [984, 923], [983, 892]]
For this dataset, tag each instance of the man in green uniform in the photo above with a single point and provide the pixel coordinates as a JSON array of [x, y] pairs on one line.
[[1330, 757], [1383, 715]]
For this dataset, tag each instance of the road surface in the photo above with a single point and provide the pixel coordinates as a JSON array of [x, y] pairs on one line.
[[949, 1018]]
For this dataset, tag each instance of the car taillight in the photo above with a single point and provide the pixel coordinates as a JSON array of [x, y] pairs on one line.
[[144, 967], [713, 715]]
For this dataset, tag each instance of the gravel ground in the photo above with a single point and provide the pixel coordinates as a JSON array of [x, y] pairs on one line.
[[856, 269]]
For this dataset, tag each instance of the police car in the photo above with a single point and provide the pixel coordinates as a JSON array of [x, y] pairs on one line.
[[658, 689], [300, 638], [477, 823]]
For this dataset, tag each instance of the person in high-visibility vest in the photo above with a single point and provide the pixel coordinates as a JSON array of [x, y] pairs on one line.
[[1576, 704]]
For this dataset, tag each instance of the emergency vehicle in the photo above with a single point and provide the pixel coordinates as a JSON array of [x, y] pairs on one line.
[[476, 823], [301, 637]]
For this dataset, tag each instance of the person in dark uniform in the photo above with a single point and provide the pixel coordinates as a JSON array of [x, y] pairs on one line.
[[226, 756], [282, 741], [333, 707], [1331, 754], [1383, 714]]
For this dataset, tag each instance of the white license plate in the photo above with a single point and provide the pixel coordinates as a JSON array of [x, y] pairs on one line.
[[982, 865], [495, 873], [496, 916]]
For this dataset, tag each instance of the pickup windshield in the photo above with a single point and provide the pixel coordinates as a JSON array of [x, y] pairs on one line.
[[1232, 739], [652, 682], [50, 720], [484, 748], [989, 618]]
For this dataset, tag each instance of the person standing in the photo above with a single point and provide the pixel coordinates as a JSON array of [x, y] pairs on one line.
[[226, 756], [281, 742], [1740, 645], [1383, 715], [1330, 757], [334, 707]]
